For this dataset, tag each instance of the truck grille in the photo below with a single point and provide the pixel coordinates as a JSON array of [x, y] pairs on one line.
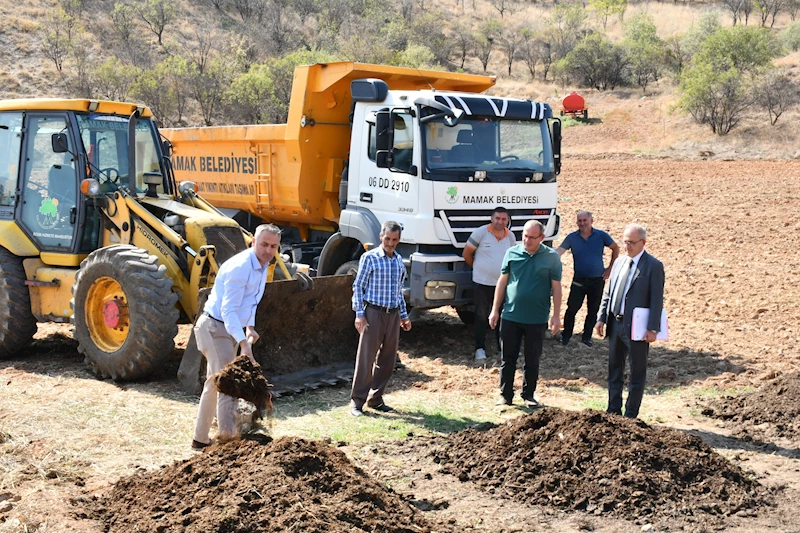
[[228, 241], [461, 223]]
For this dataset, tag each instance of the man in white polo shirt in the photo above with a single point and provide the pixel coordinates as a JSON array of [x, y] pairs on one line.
[[484, 252]]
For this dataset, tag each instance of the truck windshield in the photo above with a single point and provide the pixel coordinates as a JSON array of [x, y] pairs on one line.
[[105, 139], [507, 149]]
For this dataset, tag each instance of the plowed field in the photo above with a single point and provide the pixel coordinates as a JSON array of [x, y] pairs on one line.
[[79, 454]]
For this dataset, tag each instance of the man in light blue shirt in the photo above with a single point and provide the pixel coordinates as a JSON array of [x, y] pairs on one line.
[[380, 313], [227, 323]]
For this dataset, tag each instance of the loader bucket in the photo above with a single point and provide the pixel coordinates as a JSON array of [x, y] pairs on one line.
[[304, 324], [302, 329]]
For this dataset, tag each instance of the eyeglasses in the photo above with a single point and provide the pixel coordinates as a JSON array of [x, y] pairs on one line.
[[631, 243]]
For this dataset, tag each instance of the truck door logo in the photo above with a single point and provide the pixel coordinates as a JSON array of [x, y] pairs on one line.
[[452, 195]]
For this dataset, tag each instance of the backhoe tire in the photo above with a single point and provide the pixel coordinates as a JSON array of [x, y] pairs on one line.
[[124, 312], [17, 323], [351, 267]]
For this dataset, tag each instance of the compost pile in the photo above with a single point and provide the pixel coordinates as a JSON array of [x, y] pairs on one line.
[[602, 464], [257, 484], [773, 411], [242, 379]]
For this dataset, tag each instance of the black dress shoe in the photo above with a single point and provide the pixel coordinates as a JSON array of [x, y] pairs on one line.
[[588, 342], [197, 445], [383, 408]]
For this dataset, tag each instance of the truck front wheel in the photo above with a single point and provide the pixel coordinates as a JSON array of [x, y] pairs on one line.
[[124, 312], [17, 324], [350, 267]]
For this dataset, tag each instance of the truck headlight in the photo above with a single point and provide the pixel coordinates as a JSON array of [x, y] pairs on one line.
[[440, 290]]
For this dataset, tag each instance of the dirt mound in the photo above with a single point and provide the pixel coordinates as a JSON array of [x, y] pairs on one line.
[[602, 464], [242, 379], [257, 484], [769, 412]]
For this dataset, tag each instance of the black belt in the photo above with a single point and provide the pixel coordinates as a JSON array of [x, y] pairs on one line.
[[618, 318], [381, 308], [211, 317]]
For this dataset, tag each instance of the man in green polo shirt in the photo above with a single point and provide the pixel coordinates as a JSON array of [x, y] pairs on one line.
[[529, 272]]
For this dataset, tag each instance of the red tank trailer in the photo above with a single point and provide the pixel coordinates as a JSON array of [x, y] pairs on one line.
[[574, 105]]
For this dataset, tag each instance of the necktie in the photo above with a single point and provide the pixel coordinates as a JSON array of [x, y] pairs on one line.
[[619, 293]]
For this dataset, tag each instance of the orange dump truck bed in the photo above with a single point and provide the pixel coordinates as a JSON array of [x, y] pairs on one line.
[[290, 173]]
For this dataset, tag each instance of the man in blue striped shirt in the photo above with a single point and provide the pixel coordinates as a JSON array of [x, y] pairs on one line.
[[380, 313], [227, 323]]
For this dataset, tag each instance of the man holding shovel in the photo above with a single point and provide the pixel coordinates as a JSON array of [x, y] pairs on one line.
[[228, 323]]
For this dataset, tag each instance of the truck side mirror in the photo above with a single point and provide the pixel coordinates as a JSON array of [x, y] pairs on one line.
[[59, 143], [557, 146], [384, 138]]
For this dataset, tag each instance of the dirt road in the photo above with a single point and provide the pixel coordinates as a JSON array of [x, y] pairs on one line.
[[727, 235]]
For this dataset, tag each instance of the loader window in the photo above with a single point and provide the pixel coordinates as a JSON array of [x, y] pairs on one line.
[[49, 185], [105, 138], [10, 144]]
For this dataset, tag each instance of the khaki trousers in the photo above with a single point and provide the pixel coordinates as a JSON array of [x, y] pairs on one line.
[[219, 348], [377, 350]]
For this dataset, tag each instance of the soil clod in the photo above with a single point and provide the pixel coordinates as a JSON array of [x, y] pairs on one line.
[[242, 379]]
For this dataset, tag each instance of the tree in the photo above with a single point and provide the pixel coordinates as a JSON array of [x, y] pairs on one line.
[[207, 87], [113, 80], [147, 88], [174, 73], [713, 97], [694, 38], [676, 56], [735, 7], [462, 42], [81, 58], [505, 6], [564, 29], [427, 30], [719, 85], [249, 99], [597, 62], [769, 9], [790, 37], [417, 56], [530, 48], [157, 14], [250, 9], [123, 20], [776, 92], [56, 35], [484, 40], [509, 40], [607, 8], [646, 50]]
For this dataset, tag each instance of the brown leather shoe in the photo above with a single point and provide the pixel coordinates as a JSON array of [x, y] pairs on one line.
[[197, 445]]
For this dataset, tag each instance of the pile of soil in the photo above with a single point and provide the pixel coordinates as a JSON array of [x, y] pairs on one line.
[[602, 464], [242, 379], [772, 411], [257, 484]]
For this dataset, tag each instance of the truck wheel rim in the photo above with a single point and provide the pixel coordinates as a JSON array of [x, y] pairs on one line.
[[107, 314]]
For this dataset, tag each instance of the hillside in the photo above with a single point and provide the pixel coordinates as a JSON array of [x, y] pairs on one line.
[[624, 121]]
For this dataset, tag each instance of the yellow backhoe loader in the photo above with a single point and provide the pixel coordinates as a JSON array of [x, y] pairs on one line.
[[95, 230]]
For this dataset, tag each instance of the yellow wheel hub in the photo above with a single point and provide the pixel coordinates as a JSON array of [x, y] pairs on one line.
[[107, 314]]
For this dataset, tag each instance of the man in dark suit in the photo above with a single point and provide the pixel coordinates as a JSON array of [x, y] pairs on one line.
[[636, 280]]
